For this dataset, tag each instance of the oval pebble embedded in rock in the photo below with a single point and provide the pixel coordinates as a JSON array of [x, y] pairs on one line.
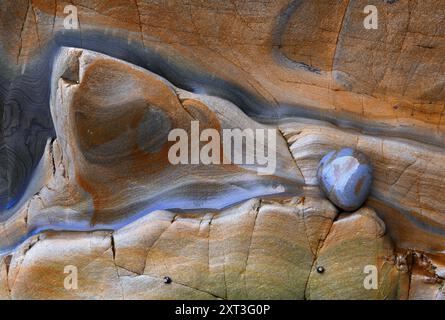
[[345, 177]]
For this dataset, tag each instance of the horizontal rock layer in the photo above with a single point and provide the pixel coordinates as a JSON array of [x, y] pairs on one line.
[[262, 249]]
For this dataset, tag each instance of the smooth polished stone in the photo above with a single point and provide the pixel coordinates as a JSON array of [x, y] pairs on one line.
[[345, 177]]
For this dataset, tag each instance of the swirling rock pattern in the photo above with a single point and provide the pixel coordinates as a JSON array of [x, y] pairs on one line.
[[215, 256], [109, 163], [78, 103]]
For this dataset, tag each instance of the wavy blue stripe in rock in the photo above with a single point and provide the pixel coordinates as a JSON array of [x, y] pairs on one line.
[[234, 197], [29, 125], [28, 95], [409, 215], [28, 142], [26, 117]]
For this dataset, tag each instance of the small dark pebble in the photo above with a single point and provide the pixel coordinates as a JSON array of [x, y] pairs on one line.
[[167, 280], [320, 269]]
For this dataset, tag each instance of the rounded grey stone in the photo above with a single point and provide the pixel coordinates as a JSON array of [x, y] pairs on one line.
[[345, 176]]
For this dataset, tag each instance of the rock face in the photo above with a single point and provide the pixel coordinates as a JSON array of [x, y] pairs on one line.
[[345, 176], [262, 249], [91, 205], [343, 256]]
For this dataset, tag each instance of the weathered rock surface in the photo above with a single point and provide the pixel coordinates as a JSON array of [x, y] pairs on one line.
[[408, 178], [261, 249], [110, 162], [405, 193], [354, 246], [80, 187], [271, 58]]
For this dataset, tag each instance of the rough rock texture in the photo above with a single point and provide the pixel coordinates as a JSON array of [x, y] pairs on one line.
[[261, 249], [271, 58], [109, 164], [355, 241], [408, 178], [406, 192], [80, 186]]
